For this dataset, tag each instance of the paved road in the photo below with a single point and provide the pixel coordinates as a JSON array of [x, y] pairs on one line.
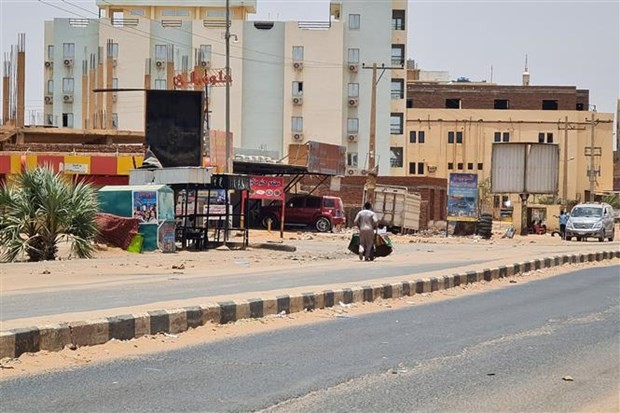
[[503, 350], [410, 259]]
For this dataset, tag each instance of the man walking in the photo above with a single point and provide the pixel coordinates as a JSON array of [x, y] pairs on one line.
[[366, 220]]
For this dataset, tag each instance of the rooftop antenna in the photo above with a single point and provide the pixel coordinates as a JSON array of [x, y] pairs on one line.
[[526, 74], [491, 74]]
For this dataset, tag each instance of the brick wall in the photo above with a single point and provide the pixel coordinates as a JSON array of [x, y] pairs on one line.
[[433, 96], [432, 191]]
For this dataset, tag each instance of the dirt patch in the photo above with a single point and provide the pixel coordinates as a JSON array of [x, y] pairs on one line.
[[37, 363]]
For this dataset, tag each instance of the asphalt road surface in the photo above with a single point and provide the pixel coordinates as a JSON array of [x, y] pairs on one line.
[[155, 288], [503, 350]]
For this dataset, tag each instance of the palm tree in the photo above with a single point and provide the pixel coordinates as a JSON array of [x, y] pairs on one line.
[[38, 209]]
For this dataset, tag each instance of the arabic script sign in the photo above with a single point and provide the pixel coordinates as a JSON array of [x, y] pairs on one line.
[[267, 187], [213, 77]]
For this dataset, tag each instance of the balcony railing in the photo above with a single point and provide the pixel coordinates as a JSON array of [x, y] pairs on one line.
[[314, 25]]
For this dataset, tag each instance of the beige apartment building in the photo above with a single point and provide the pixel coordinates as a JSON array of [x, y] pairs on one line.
[[291, 81], [451, 127]]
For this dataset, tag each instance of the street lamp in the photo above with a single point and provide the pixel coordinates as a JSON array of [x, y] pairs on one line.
[[228, 168]]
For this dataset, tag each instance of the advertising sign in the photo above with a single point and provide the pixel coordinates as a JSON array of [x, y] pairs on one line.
[[145, 206], [266, 187], [530, 168], [463, 197], [319, 158]]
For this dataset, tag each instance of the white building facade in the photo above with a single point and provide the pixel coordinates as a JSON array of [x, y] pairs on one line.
[[291, 81]]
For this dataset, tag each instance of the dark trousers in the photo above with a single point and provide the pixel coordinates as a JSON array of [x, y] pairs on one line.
[[563, 230]]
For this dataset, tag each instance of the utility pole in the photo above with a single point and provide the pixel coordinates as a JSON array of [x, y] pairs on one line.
[[373, 170], [228, 168], [591, 171]]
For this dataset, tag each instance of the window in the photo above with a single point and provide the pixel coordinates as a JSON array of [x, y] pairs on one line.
[[506, 137], [450, 166], [496, 201], [497, 137], [353, 90], [459, 166], [398, 20], [459, 137], [313, 202], [542, 136], [450, 137], [398, 89], [175, 12], [480, 166], [67, 120], [353, 55], [50, 52], [353, 125], [416, 136], [470, 166], [114, 51], [409, 103], [67, 85], [396, 123], [219, 14], [161, 51], [298, 53], [50, 119], [68, 50], [579, 106], [396, 157], [115, 120], [298, 88], [501, 104], [416, 168], [160, 84], [549, 105], [354, 21], [137, 12], [352, 159], [453, 103], [50, 87], [205, 53], [398, 54], [114, 83], [297, 124]]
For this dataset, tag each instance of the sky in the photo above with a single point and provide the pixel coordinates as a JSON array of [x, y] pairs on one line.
[[569, 42]]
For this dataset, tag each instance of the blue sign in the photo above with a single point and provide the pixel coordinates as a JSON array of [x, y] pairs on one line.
[[463, 197]]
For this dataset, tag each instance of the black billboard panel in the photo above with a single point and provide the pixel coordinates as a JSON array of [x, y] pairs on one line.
[[173, 126]]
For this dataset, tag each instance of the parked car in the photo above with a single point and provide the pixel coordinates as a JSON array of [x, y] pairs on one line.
[[321, 212], [594, 220]]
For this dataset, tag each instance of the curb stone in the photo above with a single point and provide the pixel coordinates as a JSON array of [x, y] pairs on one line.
[[54, 337]]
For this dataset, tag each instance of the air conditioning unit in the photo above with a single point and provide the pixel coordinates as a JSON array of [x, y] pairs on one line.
[[363, 172], [114, 62], [49, 99], [160, 64], [298, 65], [114, 97], [353, 102], [49, 64], [298, 136], [68, 62], [353, 68], [67, 98], [352, 137], [205, 64], [115, 123], [298, 100], [352, 171]]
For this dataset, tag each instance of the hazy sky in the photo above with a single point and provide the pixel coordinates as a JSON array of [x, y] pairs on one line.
[[567, 42]]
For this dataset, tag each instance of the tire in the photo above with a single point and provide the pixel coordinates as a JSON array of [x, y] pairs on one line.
[[568, 238], [267, 218], [613, 235], [601, 236], [578, 238], [323, 224]]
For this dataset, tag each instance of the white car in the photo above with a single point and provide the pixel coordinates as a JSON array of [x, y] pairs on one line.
[[595, 220]]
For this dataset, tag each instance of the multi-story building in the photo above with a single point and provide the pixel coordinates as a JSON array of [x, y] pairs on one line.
[[451, 127], [290, 81]]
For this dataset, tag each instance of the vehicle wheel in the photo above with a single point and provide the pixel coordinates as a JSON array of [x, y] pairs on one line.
[[578, 238], [567, 238], [613, 235], [267, 218], [601, 236], [323, 224]]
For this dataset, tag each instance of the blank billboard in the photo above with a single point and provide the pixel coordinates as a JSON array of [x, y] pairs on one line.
[[531, 168], [174, 126]]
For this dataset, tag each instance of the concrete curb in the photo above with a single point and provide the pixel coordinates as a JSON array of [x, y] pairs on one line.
[[16, 342]]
